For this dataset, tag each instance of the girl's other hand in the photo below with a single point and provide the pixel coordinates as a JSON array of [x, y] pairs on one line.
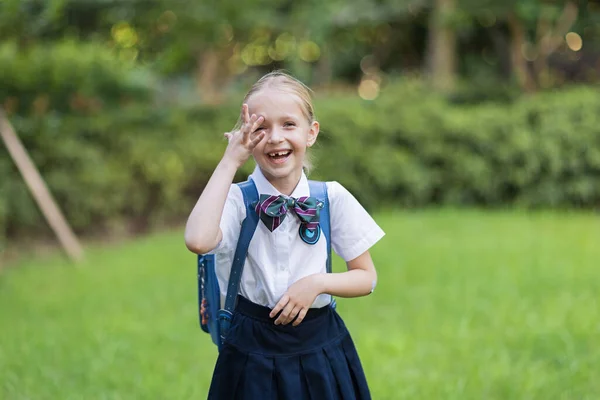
[[244, 140], [297, 300]]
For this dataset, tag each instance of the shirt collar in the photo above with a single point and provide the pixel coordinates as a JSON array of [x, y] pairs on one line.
[[264, 186]]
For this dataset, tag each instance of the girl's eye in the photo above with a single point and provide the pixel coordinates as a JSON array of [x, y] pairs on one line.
[[259, 129], [289, 124]]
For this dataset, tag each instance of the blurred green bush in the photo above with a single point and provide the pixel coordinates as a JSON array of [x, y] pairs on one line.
[[112, 154], [410, 148]]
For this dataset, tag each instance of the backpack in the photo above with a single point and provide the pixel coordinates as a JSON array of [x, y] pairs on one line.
[[215, 320]]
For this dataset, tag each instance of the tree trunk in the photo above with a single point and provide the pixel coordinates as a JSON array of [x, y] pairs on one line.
[[207, 75], [520, 68], [550, 36], [324, 68], [213, 73], [441, 47]]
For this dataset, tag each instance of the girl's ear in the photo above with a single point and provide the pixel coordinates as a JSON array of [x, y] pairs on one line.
[[313, 133]]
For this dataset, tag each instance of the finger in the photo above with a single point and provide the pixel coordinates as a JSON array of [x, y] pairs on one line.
[[279, 306], [301, 316], [257, 123], [292, 315], [248, 127], [285, 314], [227, 135], [254, 142], [245, 115]]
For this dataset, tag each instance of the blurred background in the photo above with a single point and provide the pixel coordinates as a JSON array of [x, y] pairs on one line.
[[471, 130]]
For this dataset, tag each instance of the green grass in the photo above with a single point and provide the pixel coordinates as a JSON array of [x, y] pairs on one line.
[[469, 305]]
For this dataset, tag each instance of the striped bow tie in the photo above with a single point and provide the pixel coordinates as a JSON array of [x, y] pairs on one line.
[[272, 210]]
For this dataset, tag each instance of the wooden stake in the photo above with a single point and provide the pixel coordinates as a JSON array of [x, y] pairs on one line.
[[39, 190]]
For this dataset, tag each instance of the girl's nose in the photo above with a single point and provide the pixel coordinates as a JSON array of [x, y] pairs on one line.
[[275, 136]]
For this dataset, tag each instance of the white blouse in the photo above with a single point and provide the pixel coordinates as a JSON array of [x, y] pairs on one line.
[[278, 259]]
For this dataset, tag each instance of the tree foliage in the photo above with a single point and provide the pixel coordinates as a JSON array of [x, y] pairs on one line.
[[214, 42]]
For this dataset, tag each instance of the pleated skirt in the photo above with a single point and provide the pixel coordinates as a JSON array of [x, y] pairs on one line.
[[315, 360]]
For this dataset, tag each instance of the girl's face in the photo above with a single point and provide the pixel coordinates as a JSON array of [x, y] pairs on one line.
[[288, 133]]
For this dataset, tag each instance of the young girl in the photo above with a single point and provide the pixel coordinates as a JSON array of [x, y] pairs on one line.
[[285, 341]]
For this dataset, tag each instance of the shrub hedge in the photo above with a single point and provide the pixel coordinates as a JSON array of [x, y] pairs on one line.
[[409, 148], [138, 162]]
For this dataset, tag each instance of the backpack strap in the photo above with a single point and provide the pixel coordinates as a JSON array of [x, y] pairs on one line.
[[319, 190], [239, 259]]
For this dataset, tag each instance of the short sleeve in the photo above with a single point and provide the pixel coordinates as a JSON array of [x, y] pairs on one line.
[[353, 230], [231, 221]]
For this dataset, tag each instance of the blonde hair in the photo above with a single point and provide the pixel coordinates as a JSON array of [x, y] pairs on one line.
[[285, 81]]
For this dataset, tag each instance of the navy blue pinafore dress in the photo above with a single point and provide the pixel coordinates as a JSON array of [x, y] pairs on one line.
[[263, 361]]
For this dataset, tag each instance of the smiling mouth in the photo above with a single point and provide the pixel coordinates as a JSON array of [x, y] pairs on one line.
[[279, 155]]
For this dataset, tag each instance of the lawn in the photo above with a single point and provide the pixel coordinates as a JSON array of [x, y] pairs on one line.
[[469, 305]]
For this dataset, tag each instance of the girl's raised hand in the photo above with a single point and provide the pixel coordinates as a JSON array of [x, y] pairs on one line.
[[244, 140]]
